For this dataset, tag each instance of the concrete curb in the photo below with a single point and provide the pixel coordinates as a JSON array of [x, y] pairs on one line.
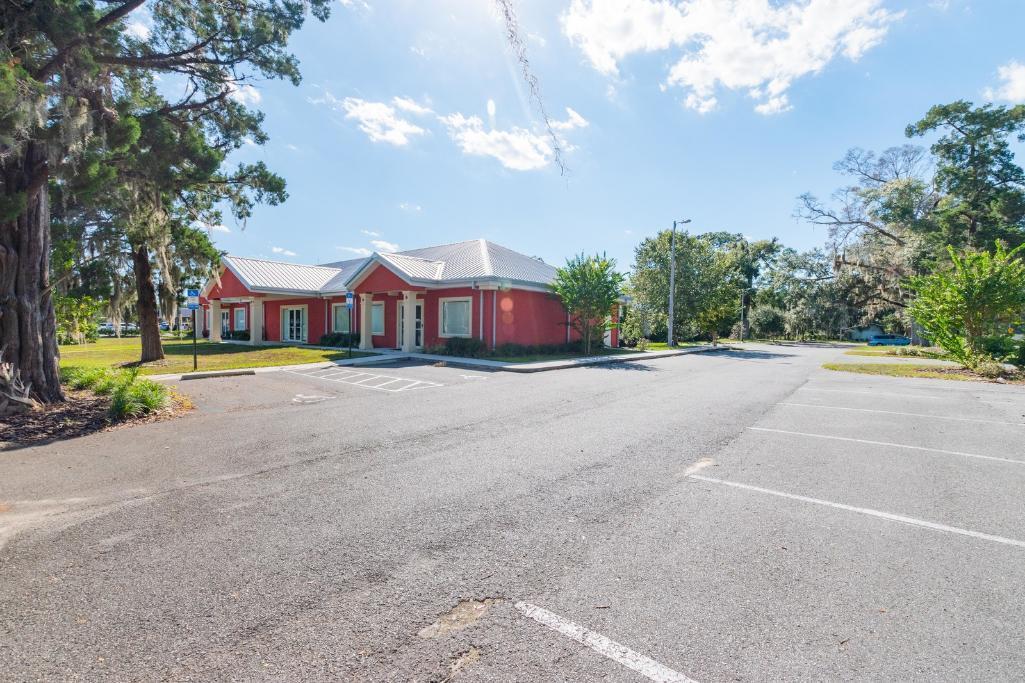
[[216, 373], [457, 361]]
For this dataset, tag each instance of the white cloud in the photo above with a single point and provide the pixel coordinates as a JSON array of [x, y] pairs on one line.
[[1012, 83], [211, 227], [491, 108], [282, 251], [407, 206], [755, 46], [292, 147], [418, 51], [358, 4], [537, 39], [370, 233], [245, 94], [517, 148], [408, 104], [381, 245], [378, 120], [359, 251], [573, 120], [137, 29]]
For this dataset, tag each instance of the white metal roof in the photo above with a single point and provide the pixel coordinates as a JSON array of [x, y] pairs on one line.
[[263, 275], [472, 260]]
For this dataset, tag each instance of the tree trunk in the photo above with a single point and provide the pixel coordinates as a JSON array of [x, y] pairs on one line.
[[28, 328], [149, 324]]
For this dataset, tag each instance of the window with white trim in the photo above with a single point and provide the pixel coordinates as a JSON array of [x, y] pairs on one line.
[[240, 319], [377, 318], [339, 318], [225, 321], [455, 315]]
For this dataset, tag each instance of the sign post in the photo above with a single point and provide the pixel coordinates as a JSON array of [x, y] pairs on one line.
[[349, 305], [192, 303]]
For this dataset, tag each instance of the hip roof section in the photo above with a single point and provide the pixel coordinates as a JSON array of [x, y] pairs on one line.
[[470, 261]]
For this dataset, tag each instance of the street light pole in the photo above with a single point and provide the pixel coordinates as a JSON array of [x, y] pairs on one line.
[[672, 281]]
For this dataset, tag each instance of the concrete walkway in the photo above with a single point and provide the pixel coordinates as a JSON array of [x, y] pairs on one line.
[[391, 356]]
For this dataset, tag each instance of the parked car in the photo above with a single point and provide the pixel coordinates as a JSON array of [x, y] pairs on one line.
[[889, 340]]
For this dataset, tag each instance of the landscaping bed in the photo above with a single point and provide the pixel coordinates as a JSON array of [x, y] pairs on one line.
[[921, 371]]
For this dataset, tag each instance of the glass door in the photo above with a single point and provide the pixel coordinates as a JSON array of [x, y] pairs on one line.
[[295, 325], [419, 314]]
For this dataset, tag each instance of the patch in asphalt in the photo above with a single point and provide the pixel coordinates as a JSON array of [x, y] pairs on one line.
[[465, 613], [367, 380]]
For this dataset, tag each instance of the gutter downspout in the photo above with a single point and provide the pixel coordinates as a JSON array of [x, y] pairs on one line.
[[494, 318], [481, 314]]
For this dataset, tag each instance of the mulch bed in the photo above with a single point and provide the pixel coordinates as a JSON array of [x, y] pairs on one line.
[[82, 413]]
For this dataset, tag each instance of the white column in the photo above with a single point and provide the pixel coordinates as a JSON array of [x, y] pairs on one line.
[[215, 320], [256, 321], [409, 321], [366, 303]]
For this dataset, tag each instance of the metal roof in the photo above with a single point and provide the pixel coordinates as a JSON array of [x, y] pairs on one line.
[[345, 270], [476, 260], [472, 260], [261, 275]]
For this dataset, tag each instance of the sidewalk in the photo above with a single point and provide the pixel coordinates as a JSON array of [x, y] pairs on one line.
[[391, 356]]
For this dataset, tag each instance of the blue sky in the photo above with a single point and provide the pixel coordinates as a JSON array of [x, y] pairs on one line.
[[412, 125]]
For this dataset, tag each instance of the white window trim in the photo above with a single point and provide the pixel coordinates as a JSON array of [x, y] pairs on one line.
[[306, 323], [333, 318], [245, 322], [384, 322], [441, 316], [225, 320]]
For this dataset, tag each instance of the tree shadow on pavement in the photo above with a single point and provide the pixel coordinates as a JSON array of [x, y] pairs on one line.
[[751, 354]]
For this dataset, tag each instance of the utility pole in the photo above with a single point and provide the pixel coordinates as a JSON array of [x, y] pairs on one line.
[[672, 281]]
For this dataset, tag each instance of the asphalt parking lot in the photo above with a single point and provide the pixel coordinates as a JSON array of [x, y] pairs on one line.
[[743, 515]]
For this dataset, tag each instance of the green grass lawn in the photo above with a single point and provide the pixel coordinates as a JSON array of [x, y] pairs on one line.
[[113, 352], [897, 352], [911, 370], [664, 346]]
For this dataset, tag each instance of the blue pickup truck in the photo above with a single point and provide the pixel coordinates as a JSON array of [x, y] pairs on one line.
[[889, 340]]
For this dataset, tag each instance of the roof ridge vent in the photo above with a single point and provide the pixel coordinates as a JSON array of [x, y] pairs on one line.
[[485, 254]]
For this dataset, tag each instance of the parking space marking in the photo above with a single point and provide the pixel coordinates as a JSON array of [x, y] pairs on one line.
[[894, 412], [911, 521], [606, 647], [887, 443], [346, 376]]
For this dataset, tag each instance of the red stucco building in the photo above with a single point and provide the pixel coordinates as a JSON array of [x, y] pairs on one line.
[[406, 300]]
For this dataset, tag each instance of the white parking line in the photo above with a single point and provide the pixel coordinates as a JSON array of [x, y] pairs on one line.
[[645, 666], [893, 412], [865, 511], [345, 376], [887, 443]]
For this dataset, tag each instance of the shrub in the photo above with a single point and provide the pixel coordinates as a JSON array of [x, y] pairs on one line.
[[642, 344], [990, 369], [339, 339], [466, 347], [238, 335], [129, 395], [136, 397]]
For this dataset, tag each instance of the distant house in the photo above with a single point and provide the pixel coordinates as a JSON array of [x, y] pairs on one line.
[[405, 300], [864, 333]]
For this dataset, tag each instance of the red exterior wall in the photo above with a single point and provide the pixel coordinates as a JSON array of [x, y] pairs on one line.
[[526, 317], [230, 286], [315, 318], [382, 280], [432, 313]]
